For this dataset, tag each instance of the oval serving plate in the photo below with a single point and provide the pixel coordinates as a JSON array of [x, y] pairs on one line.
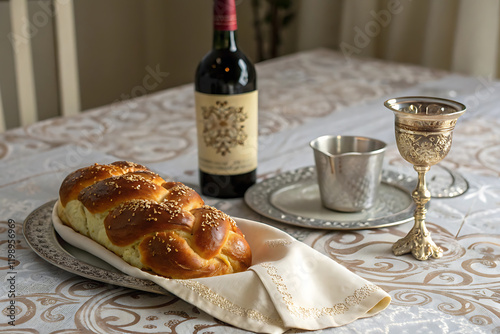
[[293, 198]]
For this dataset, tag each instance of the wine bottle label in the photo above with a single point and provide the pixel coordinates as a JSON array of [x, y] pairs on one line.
[[225, 15], [227, 132]]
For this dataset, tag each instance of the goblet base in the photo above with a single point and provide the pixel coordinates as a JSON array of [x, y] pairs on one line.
[[418, 241]]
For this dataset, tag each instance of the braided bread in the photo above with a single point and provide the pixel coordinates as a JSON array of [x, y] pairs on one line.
[[158, 226]]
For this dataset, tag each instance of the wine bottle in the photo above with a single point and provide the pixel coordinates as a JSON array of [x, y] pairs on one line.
[[226, 111]]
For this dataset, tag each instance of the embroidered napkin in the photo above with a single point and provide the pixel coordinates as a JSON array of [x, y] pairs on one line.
[[289, 285]]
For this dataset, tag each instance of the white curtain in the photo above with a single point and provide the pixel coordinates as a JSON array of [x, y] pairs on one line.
[[458, 35]]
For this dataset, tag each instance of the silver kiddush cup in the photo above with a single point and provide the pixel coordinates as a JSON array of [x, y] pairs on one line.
[[349, 170]]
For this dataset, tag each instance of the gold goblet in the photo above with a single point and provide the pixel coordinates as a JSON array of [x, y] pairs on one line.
[[424, 128]]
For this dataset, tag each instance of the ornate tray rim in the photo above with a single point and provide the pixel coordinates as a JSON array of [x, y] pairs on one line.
[[42, 239], [258, 198]]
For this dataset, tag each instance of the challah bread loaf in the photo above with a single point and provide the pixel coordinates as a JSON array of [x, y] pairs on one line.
[[157, 226]]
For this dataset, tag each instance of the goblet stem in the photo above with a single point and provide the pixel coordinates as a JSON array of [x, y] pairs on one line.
[[418, 241]]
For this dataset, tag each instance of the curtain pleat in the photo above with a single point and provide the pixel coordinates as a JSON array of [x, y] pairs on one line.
[[476, 38], [457, 35]]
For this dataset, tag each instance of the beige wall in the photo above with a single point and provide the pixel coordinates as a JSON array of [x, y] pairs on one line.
[[119, 42]]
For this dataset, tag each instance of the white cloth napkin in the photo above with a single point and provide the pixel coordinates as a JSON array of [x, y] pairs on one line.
[[289, 284]]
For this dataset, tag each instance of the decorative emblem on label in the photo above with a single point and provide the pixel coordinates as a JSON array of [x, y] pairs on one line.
[[223, 127]]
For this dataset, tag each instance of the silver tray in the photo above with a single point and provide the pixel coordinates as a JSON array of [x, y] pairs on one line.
[[42, 238], [444, 182], [293, 198]]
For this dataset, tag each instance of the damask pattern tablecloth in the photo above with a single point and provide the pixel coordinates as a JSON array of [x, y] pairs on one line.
[[301, 97]]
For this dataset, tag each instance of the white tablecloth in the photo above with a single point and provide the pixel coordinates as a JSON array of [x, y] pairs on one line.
[[302, 96]]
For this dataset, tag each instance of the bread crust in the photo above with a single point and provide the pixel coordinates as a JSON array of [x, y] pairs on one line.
[[158, 226]]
